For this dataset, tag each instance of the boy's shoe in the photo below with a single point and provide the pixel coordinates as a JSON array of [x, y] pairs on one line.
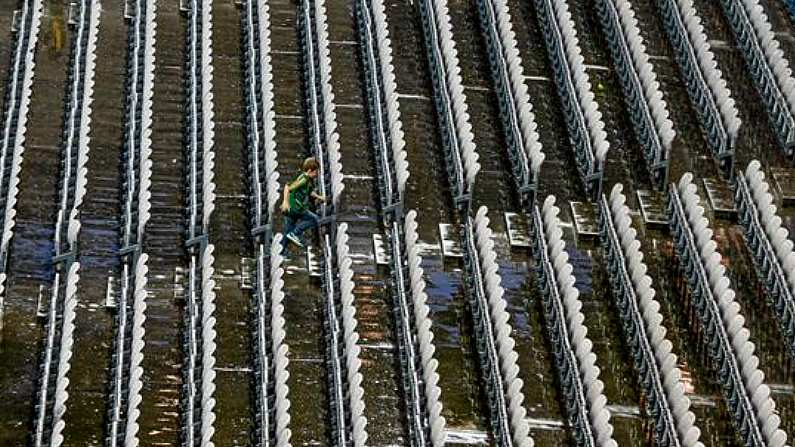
[[294, 239]]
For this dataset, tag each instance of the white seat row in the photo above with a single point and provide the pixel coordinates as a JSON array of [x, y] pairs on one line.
[[498, 339], [261, 135], [350, 335], [200, 187], [135, 383], [338, 347], [378, 61], [14, 127], [449, 95], [414, 344], [208, 335], [770, 70], [707, 89], [422, 323], [277, 351], [332, 144], [79, 111], [748, 398], [576, 362], [660, 375], [145, 163], [325, 135], [347, 393], [583, 118], [73, 189], [769, 243], [647, 108], [207, 116], [519, 123], [49, 427], [199, 381]]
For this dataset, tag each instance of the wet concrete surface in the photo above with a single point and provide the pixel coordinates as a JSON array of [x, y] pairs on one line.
[[427, 192], [160, 409], [229, 233]]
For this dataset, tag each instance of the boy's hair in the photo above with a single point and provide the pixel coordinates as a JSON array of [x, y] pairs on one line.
[[310, 164]]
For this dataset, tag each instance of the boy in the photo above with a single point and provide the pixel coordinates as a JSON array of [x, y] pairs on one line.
[[295, 204]]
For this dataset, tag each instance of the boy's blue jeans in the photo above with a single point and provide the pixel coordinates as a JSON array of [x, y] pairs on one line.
[[298, 223]]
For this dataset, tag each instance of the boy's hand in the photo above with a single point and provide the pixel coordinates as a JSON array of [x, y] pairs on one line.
[[320, 199], [285, 206]]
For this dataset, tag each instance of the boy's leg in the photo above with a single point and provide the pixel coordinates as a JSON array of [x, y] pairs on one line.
[[289, 227], [307, 220]]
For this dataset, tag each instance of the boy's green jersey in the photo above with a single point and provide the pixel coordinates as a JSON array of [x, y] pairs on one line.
[[300, 190]]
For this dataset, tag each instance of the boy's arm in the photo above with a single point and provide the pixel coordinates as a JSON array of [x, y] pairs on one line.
[[286, 198]]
